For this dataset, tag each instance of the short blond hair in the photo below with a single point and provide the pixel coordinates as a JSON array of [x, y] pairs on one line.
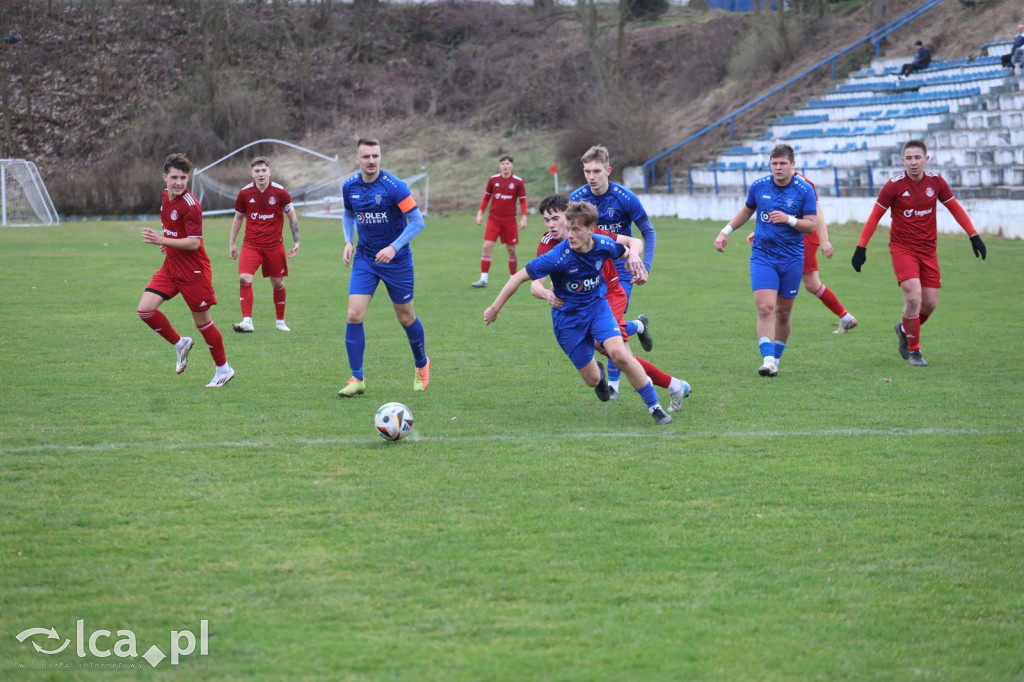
[[597, 153], [582, 213]]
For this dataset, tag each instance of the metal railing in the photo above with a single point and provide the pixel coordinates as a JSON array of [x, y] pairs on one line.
[[649, 166]]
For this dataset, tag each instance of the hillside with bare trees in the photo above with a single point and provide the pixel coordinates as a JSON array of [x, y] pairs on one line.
[[96, 93]]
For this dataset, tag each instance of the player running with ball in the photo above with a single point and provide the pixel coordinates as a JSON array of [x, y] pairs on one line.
[[585, 317]]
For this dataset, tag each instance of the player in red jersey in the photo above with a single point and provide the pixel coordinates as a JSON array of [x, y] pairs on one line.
[[911, 197], [811, 281], [552, 209], [186, 270], [503, 191], [263, 204]]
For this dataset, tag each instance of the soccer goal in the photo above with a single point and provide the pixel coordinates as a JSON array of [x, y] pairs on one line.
[[313, 179], [23, 196]]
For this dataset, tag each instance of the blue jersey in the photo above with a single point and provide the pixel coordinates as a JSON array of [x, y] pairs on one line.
[[617, 209], [576, 277], [779, 241], [380, 208]]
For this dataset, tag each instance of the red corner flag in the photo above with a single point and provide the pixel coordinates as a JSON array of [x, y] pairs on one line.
[[553, 169]]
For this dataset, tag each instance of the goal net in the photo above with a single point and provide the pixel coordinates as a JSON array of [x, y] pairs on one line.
[[312, 179], [23, 196]]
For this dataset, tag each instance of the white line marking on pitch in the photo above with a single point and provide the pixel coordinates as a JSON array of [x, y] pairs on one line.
[[420, 436]]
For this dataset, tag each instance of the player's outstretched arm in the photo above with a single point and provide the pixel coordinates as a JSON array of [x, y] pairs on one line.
[[741, 217], [513, 283], [965, 222], [860, 254]]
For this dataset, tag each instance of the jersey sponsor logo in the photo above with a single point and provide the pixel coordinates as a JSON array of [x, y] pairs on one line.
[[170, 233], [174, 214], [910, 213], [372, 217], [586, 284], [612, 227], [764, 217], [499, 195], [260, 216]]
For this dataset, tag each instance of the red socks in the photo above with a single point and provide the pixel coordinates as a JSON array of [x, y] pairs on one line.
[[912, 328], [245, 296], [513, 265], [485, 265], [830, 300], [278, 303], [658, 378], [160, 324], [215, 342]]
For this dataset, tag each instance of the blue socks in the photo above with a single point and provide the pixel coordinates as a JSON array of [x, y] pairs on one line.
[[355, 344], [416, 341]]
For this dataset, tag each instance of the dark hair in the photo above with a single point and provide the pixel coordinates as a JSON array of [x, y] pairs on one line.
[[783, 150], [914, 143], [505, 157], [554, 202], [919, 44], [179, 161]]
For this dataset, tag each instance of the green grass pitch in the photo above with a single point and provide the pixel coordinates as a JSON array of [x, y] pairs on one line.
[[853, 518]]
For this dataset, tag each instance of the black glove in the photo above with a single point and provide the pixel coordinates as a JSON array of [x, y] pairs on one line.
[[860, 255], [978, 246]]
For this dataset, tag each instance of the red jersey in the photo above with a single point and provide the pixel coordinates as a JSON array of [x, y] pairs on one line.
[[811, 239], [503, 193], [264, 214], [912, 208], [609, 272], [182, 217]]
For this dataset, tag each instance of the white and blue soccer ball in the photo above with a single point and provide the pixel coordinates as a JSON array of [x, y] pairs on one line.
[[393, 421]]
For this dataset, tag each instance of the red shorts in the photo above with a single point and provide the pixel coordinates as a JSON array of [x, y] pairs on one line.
[[507, 230], [198, 293], [909, 264], [617, 301], [810, 258], [274, 261], [811, 244]]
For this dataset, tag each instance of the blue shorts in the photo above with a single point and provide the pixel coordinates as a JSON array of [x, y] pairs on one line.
[[781, 276], [577, 331], [367, 274]]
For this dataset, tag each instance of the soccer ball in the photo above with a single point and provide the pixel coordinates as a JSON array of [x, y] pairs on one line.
[[393, 421]]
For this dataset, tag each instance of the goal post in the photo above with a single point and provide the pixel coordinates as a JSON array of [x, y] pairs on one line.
[[313, 180], [24, 200]]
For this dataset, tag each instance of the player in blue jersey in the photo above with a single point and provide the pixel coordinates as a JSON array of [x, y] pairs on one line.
[[618, 209], [379, 206], [585, 316], [786, 209]]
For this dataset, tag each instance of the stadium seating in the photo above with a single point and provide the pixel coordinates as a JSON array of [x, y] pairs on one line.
[[968, 110]]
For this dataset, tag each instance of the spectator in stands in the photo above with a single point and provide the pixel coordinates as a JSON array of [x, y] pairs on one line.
[[922, 58], [1016, 54]]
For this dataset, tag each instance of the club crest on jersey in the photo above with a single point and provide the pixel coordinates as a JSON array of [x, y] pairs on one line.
[[174, 214], [929, 191], [272, 200], [610, 212], [378, 199]]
